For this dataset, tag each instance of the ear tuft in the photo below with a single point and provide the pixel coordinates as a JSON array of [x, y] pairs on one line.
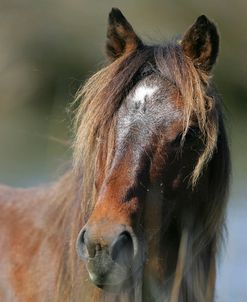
[[201, 43], [121, 37], [202, 20], [116, 15]]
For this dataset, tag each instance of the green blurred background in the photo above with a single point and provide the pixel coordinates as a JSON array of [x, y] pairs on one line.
[[48, 48]]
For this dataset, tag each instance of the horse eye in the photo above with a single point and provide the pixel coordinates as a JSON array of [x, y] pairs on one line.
[[192, 134]]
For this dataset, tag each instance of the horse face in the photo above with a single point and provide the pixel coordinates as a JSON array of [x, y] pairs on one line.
[[149, 172], [143, 171]]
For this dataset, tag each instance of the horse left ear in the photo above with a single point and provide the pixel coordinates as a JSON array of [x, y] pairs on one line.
[[121, 37], [201, 43]]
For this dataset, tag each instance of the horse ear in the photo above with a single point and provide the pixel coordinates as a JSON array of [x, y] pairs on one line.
[[201, 43], [121, 37]]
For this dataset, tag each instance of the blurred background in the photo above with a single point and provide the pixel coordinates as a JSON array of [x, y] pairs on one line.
[[48, 48]]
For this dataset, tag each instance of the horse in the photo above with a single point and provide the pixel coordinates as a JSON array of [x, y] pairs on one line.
[[140, 215]]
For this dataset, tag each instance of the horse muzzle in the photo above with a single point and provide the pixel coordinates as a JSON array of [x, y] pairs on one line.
[[110, 253]]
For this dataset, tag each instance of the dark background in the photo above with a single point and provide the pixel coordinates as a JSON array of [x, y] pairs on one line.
[[48, 48]]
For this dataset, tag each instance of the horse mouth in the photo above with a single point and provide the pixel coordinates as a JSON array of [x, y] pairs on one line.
[[115, 281]]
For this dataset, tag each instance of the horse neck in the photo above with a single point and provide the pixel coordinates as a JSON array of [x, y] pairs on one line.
[[61, 202], [65, 222]]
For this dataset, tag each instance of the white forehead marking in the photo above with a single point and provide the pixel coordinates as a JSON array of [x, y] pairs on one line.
[[142, 92]]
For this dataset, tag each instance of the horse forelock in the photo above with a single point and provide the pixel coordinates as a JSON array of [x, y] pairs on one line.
[[100, 98]]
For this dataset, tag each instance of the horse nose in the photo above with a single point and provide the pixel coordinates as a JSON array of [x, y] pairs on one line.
[[122, 249], [118, 245]]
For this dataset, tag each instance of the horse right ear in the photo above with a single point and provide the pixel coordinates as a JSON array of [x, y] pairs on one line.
[[121, 37], [201, 43]]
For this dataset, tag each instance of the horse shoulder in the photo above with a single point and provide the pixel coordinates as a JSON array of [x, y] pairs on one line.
[[27, 262]]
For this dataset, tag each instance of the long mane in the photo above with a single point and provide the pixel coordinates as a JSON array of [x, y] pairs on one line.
[[98, 102]]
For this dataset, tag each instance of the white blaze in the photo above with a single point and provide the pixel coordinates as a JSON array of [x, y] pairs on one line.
[[142, 92]]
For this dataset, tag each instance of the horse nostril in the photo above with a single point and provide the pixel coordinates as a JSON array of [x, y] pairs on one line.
[[85, 248], [80, 244], [81, 237], [122, 250]]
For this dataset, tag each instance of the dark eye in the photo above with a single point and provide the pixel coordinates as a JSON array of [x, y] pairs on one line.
[[190, 137], [192, 134]]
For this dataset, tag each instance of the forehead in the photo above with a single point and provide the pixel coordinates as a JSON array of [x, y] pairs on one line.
[[153, 102]]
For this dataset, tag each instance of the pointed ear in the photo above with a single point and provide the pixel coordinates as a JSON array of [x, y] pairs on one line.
[[121, 37], [201, 43]]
